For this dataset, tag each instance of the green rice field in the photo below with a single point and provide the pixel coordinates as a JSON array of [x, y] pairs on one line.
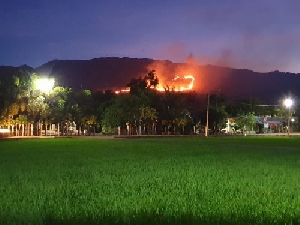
[[182, 180]]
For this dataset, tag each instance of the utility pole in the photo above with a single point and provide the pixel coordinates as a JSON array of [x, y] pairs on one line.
[[289, 118], [207, 109], [288, 102]]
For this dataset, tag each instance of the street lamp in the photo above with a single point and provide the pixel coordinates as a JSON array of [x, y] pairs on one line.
[[288, 102], [207, 110], [44, 84]]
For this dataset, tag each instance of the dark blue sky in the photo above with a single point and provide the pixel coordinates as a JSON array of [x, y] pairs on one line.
[[262, 35]]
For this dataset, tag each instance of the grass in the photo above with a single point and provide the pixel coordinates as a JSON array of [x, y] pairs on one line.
[[228, 180]]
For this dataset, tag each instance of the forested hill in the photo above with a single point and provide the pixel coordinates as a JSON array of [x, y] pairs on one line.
[[114, 73], [95, 74], [9, 71]]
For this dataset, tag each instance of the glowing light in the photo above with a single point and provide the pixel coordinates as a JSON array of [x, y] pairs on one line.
[[127, 90], [44, 84], [160, 89], [181, 84], [178, 84], [4, 130], [288, 102]]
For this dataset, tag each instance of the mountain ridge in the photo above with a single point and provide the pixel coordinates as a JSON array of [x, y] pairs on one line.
[[112, 73]]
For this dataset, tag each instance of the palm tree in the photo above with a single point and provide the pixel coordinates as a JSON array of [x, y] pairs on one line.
[[148, 115], [38, 109], [22, 119]]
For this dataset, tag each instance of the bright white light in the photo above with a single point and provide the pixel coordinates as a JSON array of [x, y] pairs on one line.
[[4, 130], [44, 84], [288, 102]]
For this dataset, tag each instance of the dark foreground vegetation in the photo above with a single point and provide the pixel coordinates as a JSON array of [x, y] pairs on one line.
[[226, 180], [27, 109]]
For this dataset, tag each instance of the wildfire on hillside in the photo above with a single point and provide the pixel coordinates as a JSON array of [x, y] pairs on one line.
[[177, 84]]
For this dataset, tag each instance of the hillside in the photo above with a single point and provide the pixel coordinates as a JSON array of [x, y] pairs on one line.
[[114, 73]]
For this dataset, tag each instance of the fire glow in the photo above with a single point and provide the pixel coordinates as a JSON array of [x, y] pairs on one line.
[[126, 90], [178, 84]]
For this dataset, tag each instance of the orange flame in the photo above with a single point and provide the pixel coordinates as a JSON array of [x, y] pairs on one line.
[[126, 90], [178, 84]]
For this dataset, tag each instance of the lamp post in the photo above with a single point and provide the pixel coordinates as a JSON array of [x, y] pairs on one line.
[[44, 85], [207, 109], [288, 102]]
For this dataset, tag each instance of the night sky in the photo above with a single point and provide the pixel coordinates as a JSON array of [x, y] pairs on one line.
[[262, 35]]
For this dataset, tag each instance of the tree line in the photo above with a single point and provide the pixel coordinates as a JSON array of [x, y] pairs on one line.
[[25, 110]]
